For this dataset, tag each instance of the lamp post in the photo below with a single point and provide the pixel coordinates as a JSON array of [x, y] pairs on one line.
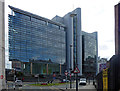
[[75, 43], [70, 66], [14, 78], [60, 66]]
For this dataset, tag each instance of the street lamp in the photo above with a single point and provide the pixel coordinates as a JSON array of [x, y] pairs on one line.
[[70, 66], [75, 45], [72, 15]]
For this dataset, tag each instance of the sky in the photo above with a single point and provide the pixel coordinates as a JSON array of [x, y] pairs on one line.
[[96, 15]]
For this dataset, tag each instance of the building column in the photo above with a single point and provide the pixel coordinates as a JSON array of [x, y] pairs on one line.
[[71, 45], [47, 69], [31, 68], [60, 69]]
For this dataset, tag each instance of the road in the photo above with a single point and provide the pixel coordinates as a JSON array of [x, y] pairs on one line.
[[63, 87]]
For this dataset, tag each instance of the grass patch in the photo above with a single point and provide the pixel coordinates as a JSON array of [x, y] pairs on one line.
[[49, 84]]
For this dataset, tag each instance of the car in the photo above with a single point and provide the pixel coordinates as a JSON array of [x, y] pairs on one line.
[[64, 80], [82, 81], [18, 83]]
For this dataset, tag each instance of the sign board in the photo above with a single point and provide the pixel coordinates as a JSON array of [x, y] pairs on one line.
[[76, 70], [66, 73], [102, 66], [1, 77], [105, 79]]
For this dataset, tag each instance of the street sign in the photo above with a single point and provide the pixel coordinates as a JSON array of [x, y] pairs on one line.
[[76, 70], [1, 77], [105, 79], [66, 73]]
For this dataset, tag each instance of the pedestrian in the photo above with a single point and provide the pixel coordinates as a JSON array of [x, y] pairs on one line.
[[22, 79]]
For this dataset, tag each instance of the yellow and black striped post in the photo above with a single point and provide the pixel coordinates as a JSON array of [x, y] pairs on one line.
[[105, 79]]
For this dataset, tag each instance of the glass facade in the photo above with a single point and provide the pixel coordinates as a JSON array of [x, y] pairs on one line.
[[31, 38], [90, 44], [89, 52], [42, 68]]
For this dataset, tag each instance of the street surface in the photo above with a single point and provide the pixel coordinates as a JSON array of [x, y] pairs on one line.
[[63, 87]]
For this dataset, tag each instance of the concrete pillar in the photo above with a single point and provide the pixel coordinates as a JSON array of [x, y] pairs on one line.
[[2, 46], [60, 69], [47, 69], [31, 68], [71, 48]]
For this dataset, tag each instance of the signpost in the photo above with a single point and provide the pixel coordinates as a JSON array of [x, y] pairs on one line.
[[70, 75], [66, 73], [70, 80], [76, 71]]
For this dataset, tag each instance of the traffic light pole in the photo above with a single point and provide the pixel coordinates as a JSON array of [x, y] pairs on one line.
[[66, 73], [76, 71]]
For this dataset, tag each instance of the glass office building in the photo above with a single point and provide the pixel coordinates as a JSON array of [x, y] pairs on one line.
[[89, 53], [50, 45], [32, 37], [89, 41], [72, 20]]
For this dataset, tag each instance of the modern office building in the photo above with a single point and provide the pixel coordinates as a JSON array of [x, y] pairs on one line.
[[33, 38], [89, 53], [72, 21], [2, 45]]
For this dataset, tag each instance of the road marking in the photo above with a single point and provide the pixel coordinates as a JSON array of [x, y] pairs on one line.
[[40, 87], [25, 85], [55, 88]]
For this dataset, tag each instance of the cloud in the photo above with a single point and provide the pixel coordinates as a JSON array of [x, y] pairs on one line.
[[110, 41], [103, 47]]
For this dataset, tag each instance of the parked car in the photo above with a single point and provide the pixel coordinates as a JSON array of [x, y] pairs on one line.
[[18, 83], [64, 80], [82, 81]]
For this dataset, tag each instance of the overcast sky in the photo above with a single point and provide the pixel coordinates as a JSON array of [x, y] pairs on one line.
[[97, 15]]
